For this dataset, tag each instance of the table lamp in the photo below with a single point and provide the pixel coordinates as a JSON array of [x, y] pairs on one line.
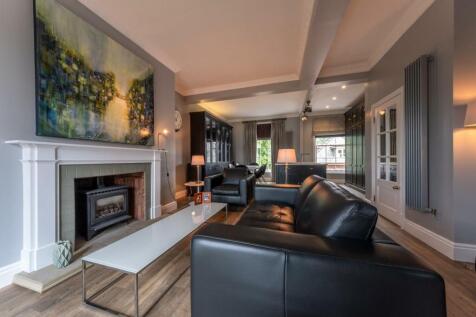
[[198, 160], [286, 156]]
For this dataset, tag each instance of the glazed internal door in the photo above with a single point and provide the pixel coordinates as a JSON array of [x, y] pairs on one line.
[[388, 143]]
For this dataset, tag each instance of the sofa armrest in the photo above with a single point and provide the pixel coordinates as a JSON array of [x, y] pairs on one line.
[[279, 193], [260, 272], [246, 188], [212, 181]]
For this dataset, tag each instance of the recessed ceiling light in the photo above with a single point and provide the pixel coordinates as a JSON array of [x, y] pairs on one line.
[[327, 107], [334, 98], [343, 87]]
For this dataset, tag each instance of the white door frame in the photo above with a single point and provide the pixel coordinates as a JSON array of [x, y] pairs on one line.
[[397, 93]]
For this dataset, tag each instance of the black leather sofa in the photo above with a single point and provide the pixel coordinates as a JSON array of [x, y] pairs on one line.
[[308, 250], [233, 186]]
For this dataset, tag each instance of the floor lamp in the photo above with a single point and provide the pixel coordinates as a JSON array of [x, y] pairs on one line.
[[286, 156], [198, 160]]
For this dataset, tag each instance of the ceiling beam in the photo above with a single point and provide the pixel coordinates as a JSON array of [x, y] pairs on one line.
[[325, 20], [348, 79]]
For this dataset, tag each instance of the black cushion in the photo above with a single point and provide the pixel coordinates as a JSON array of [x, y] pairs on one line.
[[303, 191], [226, 189], [247, 222], [268, 211], [234, 175], [331, 211]]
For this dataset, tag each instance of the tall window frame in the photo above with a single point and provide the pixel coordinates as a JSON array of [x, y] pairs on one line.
[[330, 150]]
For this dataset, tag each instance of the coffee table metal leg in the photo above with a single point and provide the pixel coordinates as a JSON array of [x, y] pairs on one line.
[[136, 290], [83, 263]]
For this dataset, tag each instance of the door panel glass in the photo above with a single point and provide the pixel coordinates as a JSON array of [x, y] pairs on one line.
[[382, 171], [393, 119], [383, 144], [393, 143], [393, 173], [382, 121]]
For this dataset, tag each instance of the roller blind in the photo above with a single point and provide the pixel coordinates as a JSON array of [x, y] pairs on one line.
[[328, 125]]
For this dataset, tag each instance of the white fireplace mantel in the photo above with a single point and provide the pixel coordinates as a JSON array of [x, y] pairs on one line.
[[40, 175]]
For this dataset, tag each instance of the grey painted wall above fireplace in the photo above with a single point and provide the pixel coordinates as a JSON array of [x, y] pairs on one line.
[[17, 109]]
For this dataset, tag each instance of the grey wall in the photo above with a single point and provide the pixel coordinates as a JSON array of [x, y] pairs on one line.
[[464, 178], [182, 144], [464, 139], [431, 34], [292, 126], [17, 109], [238, 145]]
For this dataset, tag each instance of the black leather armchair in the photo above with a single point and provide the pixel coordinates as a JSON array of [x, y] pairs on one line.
[[234, 186]]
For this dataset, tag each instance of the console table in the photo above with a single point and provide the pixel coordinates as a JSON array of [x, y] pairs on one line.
[[143, 247]]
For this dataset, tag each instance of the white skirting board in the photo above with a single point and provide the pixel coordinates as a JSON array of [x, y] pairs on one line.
[[7, 272], [456, 251], [169, 207], [181, 194]]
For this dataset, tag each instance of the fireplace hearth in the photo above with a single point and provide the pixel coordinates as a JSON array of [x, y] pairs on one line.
[[101, 208]]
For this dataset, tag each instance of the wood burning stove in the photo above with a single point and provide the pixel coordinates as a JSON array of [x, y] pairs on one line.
[[100, 208]]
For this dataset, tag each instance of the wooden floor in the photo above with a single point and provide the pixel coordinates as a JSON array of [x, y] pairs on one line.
[[168, 281]]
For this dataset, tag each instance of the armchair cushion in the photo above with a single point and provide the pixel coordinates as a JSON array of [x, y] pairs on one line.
[[233, 176], [226, 189]]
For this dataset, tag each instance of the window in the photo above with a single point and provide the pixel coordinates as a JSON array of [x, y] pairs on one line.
[[330, 150], [263, 145], [263, 153]]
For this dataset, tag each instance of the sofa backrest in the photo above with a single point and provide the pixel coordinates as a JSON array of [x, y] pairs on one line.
[[331, 211], [233, 175], [303, 191]]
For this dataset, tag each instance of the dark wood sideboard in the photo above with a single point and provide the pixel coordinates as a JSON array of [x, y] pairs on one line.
[[297, 172]]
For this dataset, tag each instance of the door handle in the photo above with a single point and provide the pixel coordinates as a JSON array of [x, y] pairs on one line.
[[396, 187]]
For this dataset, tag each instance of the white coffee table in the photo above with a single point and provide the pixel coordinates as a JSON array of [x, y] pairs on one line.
[[132, 254]]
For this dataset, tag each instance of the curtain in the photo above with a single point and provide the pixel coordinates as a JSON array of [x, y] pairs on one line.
[[278, 134], [249, 142]]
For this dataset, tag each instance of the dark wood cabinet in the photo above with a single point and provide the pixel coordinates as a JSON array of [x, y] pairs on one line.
[[298, 172], [355, 146], [212, 138]]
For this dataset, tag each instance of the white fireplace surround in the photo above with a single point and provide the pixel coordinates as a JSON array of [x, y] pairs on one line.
[[40, 175]]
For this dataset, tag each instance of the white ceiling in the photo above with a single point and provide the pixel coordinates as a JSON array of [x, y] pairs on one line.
[[215, 45], [322, 96], [368, 30], [286, 104], [263, 106]]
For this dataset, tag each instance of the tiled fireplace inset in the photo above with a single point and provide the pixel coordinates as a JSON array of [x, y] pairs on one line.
[[74, 178]]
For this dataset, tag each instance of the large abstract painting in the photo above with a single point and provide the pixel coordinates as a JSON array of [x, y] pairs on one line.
[[89, 86]]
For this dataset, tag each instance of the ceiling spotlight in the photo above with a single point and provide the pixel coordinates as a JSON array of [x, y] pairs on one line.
[[304, 118], [334, 98], [343, 87], [327, 107]]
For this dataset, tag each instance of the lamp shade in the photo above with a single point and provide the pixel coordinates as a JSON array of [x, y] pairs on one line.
[[198, 160], [286, 156], [470, 119]]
